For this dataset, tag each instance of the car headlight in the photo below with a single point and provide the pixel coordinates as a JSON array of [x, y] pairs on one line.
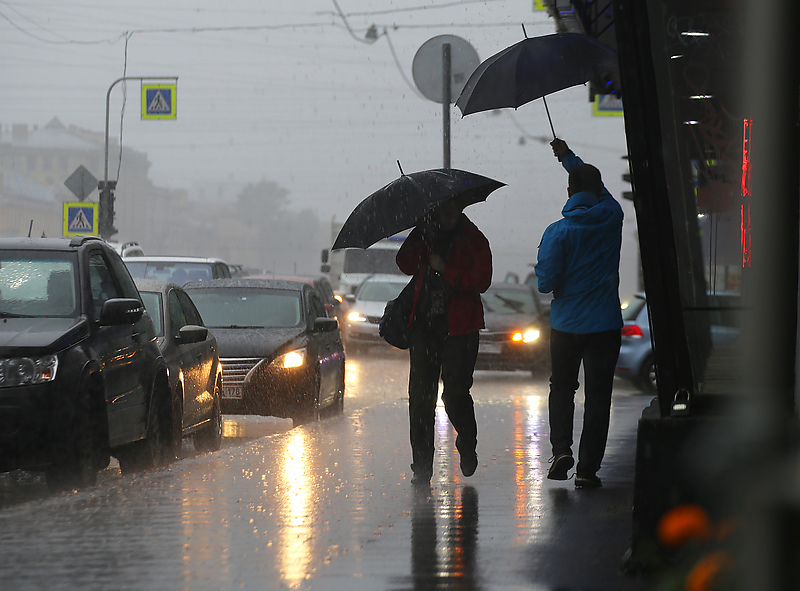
[[25, 371], [356, 317], [527, 336], [291, 359]]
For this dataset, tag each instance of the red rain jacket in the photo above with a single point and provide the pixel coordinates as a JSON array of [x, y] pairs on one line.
[[468, 273]]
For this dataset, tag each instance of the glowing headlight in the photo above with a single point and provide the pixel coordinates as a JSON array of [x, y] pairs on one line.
[[356, 317], [528, 336], [24, 371], [291, 359]]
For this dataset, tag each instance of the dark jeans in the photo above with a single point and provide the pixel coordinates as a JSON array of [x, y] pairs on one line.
[[432, 354], [599, 352]]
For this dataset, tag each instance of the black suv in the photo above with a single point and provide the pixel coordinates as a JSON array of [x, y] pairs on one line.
[[81, 374]]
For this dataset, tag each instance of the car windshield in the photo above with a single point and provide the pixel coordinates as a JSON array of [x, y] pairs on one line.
[[38, 284], [173, 272], [152, 303], [228, 307], [510, 301], [379, 291]]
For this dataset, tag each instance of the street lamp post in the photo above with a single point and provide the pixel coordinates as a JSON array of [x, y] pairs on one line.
[[106, 203]]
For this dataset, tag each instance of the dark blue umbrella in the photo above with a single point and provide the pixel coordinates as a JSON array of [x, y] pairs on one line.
[[403, 203], [534, 68]]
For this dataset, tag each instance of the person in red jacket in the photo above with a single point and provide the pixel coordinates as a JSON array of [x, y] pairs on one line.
[[452, 265]]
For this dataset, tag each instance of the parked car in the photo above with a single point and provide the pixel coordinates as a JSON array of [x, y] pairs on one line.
[[517, 331], [281, 355], [365, 308], [178, 270], [190, 352], [81, 374], [636, 361]]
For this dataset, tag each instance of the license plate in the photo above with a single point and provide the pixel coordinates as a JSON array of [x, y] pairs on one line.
[[232, 392], [489, 348]]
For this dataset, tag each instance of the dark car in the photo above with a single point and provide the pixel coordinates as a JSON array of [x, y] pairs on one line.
[[281, 355], [517, 330], [81, 374], [190, 352]]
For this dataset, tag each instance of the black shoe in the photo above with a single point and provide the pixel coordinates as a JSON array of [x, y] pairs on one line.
[[469, 463], [560, 467], [421, 477], [588, 482]]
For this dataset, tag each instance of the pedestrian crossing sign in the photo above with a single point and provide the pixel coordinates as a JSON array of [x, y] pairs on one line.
[[80, 218], [159, 101]]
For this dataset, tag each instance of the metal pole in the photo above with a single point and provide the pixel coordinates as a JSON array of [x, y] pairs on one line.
[[108, 100], [446, 76], [105, 188]]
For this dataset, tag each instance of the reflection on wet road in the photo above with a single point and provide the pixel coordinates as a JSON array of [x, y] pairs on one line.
[[329, 506]]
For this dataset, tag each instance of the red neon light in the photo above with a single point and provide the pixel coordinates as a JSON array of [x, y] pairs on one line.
[[746, 244]]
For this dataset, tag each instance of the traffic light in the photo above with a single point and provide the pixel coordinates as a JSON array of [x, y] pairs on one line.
[[106, 206]]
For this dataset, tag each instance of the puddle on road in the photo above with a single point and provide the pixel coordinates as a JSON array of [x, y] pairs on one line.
[[253, 427], [21, 486]]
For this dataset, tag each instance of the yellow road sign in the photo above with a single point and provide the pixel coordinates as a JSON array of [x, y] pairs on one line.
[[607, 105], [159, 101], [80, 218]]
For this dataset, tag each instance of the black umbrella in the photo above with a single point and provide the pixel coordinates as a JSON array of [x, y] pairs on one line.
[[405, 201], [534, 68]]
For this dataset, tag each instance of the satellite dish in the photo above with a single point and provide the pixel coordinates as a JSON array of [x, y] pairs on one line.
[[427, 67]]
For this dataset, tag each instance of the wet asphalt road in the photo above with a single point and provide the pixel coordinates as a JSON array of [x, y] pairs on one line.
[[330, 505]]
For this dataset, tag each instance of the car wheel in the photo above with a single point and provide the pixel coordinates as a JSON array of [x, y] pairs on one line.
[[210, 437], [340, 399], [152, 451], [175, 436], [647, 380], [85, 449], [308, 409]]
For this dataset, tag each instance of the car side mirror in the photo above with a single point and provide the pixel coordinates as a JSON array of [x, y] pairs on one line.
[[324, 324], [324, 255], [118, 311], [192, 333], [324, 268]]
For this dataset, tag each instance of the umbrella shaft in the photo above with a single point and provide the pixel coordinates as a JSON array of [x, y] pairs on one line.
[[446, 92], [548, 117]]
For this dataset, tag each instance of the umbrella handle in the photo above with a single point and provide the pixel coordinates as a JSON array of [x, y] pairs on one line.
[[548, 117]]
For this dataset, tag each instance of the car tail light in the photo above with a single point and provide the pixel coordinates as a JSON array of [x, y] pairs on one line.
[[632, 331]]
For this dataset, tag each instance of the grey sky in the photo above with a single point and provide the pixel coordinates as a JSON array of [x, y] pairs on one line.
[[282, 91]]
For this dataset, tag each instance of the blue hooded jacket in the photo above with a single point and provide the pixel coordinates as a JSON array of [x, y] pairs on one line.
[[579, 262]]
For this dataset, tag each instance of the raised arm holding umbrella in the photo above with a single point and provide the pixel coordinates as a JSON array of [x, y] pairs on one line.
[[534, 68]]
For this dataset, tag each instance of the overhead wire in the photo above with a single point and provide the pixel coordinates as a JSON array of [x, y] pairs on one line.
[[418, 8], [341, 22]]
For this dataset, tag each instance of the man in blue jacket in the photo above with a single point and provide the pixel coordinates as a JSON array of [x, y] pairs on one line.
[[579, 262]]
